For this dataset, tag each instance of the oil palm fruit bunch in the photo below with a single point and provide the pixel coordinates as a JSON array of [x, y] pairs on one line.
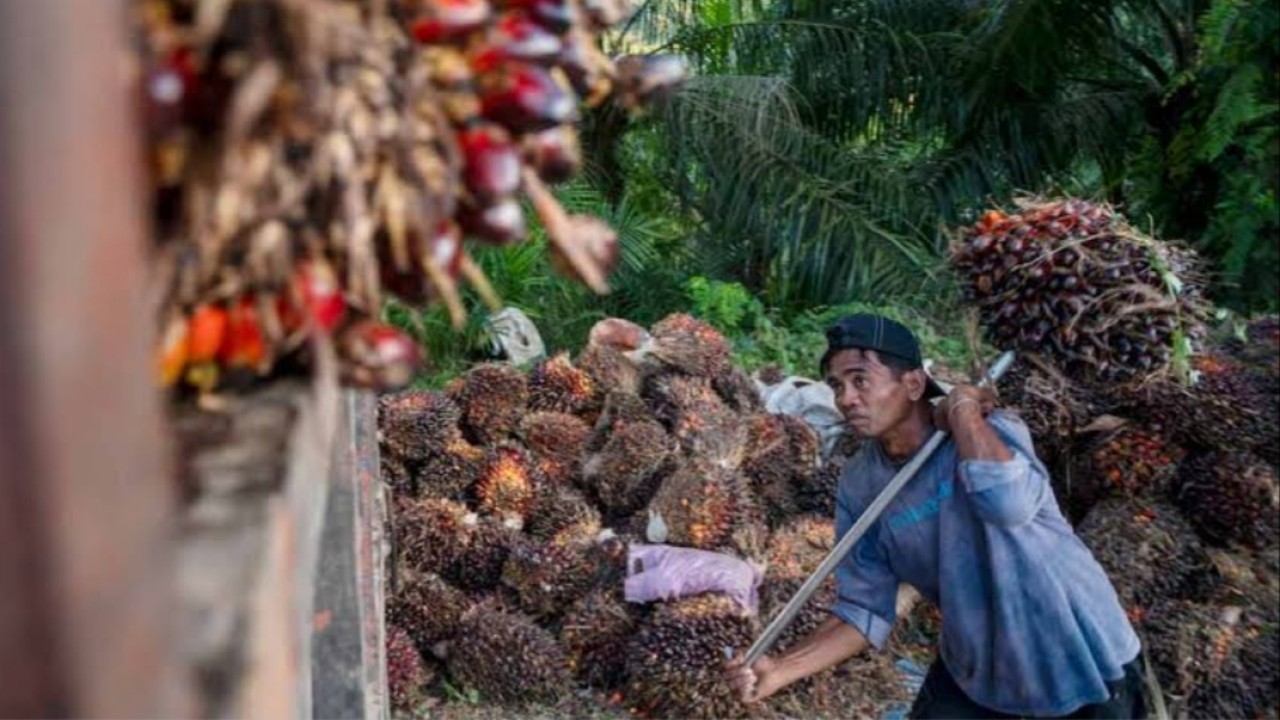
[[307, 160], [1249, 685], [738, 391], [451, 471], [557, 442], [1226, 406], [427, 607], [548, 576], [556, 385], [507, 658], [795, 550], [1191, 644], [689, 407], [782, 453], [415, 423], [1130, 462], [594, 631], [562, 511], [431, 534], [1148, 548], [1073, 281], [817, 491], [409, 678], [1232, 496], [493, 399], [625, 473], [700, 504], [690, 346], [675, 661], [507, 486]]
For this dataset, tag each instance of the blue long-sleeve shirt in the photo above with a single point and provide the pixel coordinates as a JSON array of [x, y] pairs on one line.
[[1031, 623]]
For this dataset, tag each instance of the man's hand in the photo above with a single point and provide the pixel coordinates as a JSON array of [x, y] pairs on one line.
[[751, 684], [965, 402]]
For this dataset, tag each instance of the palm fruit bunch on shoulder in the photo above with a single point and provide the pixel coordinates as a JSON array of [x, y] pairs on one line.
[[507, 485], [428, 607], [555, 385], [414, 423], [451, 471], [562, 512], [431, 534], [1232, 497], [795, 551], [507, 658], [689, 346], [1128, 462], [493, 400], [547, 577], [409, 677], [783, 451], [675, 661], [1073, 281], [1226, 406], [1191, 644], [1148, 549], [738, 391], [625, 473], [557, 442], [689, 407], [593, 631]]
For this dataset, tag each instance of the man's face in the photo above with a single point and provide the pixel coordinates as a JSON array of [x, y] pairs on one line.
[[868, 395]]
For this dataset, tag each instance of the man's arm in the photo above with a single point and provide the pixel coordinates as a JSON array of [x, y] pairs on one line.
[[1006, 486], [831, 643]]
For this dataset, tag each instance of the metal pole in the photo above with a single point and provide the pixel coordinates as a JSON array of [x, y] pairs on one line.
[[872, 513]]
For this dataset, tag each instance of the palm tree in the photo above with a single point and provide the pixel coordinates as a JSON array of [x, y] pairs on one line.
[[824, 144]]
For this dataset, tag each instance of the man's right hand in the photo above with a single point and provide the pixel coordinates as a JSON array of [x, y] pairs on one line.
[[751, 684]]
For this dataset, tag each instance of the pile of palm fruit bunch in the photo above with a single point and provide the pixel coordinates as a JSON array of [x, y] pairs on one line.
[[1161, 434], [516, 494], [309, 160]]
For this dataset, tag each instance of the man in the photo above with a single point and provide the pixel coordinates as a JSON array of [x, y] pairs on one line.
[[1031, 625]]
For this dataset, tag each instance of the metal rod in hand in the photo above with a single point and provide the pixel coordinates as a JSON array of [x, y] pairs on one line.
[[833, 558]]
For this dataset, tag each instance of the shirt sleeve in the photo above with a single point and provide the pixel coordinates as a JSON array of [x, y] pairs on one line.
[[866, 588], [1007, 493]]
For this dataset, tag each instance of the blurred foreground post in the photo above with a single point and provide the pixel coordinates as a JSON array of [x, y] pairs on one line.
[[85, 507]]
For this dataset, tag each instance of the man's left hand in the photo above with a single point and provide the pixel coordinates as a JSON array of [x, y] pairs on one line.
[[964, 401]]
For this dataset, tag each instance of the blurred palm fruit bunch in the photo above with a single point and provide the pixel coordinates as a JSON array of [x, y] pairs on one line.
[[1073, 281], [309, 160]]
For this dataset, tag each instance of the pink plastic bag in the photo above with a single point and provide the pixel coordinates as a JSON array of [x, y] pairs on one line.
[[666, 572]]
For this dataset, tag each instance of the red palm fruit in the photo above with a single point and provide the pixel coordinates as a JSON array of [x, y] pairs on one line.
[[208, 331], [245, 345], [321, 294], [554, 153], [378, 356], [555, 15], [525, 98], [447, 20], [499, 223], [167, 90], [492, 162], [517, 37], [174, 349]]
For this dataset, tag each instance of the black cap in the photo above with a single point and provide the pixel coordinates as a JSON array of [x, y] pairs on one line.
[[865, 331]]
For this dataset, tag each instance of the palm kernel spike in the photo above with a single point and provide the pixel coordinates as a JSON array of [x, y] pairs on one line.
[[493, 400], [690, 346], [507, 659], [674, 662], [506, 487], [556, 385]]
